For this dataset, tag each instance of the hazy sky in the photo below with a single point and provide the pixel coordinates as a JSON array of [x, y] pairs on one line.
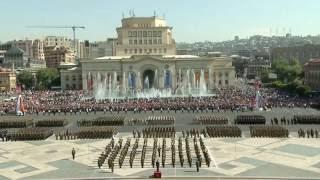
[[196, 20]]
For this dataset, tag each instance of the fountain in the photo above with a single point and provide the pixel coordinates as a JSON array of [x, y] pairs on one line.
[[133, 86]]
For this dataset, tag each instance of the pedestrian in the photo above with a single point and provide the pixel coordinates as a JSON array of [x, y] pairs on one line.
[[73, 153]]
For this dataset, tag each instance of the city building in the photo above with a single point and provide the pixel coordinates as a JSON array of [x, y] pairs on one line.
[[301, 53], [37, 48], [71, 78], [312, 74], [62, 41], [97, 49], [7, 80], [15, 56], [144, 36], [256, 67], [55, 55], [2, 53], [134, 68], [25, 45], [218, 70], [58, 41]]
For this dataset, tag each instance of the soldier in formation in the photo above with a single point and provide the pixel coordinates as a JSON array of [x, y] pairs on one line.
[[211, 120], [154, 152], [35, 133], [156, 132], [115, 151], [160, 120], [103, 121], [51, 123], [311, 133], [124, 151], [269, 131], [96, 132], [223, 131], [250, 119], [16, 123], [133, 152], [144, 150]]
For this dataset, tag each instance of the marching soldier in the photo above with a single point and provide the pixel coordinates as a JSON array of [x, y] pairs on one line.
[[197, 165]]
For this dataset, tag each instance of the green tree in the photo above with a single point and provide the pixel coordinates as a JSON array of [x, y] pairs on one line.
[[25, 78], [303, 90], [265, 76], [287, 71], [47, 77]]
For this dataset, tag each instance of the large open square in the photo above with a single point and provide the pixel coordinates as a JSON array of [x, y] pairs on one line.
[[243, 157]]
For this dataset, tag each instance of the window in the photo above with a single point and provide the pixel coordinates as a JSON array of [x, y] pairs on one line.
[[140, 41], [149, 33], [145, 41], [226, 82], [134, 34], [159, 41], [130, 41], [145, 33], [67, 78], [150, 41], [159, 33], [150, 50], [135, 51], [227, 74], [165, 50], [73, 86], [155, 41], [135, 41], [140, 51], [155, 33], [125, 51], [73, 77], [219, 82], [67, 86], [130, 34]]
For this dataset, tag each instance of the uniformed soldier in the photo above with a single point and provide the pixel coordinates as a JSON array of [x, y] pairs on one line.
[[197, 165], [73, 152]]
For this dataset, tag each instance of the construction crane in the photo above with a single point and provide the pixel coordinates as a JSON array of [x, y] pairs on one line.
[[65, 27]]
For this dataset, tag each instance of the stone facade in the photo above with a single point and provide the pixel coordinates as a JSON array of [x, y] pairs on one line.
[[38, 49], [145, 35], [7, 80], [301, 53], [55, 55], [312, 74], [218, 71], [71, 79]]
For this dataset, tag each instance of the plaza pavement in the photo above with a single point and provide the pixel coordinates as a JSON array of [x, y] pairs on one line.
[[231, 157]]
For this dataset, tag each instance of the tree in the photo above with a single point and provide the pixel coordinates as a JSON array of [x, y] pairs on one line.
[[47, 78], [287, 71], [265, 76], [25, 78], [303, 90]]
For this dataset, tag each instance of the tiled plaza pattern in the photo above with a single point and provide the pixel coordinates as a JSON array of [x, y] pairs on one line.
[[263, 157], [232, 157]]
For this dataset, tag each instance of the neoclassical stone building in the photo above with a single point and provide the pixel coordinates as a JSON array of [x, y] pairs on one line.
[[146, 58], [170, 70]]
